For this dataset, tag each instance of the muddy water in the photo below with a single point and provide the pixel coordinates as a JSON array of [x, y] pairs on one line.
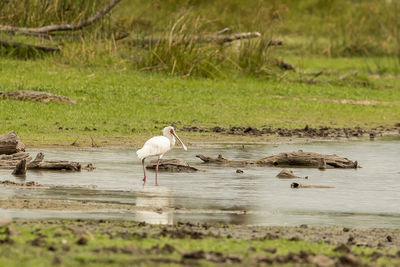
[[366, 197]]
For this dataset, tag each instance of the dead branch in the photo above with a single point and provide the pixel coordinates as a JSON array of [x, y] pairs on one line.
[[62, 27], [36, 47], [208, 38]]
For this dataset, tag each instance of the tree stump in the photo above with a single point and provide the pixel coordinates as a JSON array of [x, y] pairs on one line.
[[10, 144], [292, 159], [20, 169], [171, 165]]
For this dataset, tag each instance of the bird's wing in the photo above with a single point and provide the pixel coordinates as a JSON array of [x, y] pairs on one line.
[[155, 146]]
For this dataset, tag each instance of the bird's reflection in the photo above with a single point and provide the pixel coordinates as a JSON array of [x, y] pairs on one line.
[[156, 202]]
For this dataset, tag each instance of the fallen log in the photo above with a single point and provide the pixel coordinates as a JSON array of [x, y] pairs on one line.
[[39, 96], [171, 165], [293, 159], [10, 144], [39, 164]]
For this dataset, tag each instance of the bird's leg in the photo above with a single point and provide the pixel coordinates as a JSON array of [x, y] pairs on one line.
[[144, 171], [158, 162]]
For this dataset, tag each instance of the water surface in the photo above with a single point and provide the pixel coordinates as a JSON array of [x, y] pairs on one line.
[[366, 197]]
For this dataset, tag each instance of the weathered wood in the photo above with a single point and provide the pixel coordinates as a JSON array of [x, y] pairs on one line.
[[20, 168], [42, 48], [58, 165], [297, 185], [287, 174], [39, 164], [294, 159], [62, 27], [10, 144], [35, 163], [10, 161], [208, 38], [171, 165], [44, 97]]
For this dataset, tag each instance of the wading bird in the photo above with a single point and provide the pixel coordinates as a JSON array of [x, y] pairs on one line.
[[158, 146]]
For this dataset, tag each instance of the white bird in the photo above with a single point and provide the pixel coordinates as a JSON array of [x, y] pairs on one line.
[[158, 146]]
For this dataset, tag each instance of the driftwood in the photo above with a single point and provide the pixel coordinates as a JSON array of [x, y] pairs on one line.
[[10, 144], [287, 174], [294, 159], [39, 164], [20, 168], [171, 165], [62, 27], [208, 38], [44, 97], [11, 161], [297, 185]]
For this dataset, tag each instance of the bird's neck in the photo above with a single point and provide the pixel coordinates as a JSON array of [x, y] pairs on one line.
[[172, 140]]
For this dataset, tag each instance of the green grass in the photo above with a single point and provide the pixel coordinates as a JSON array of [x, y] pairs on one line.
[[341, 28], [120, 102], [132, 91], [58, 242]]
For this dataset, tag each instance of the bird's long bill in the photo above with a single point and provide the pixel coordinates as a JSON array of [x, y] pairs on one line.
[[183, 145]]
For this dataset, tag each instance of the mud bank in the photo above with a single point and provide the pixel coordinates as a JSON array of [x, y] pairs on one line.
[[77, 242], [321, 132]]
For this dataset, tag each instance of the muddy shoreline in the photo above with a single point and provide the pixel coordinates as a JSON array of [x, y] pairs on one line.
[[234, 134], [320, 132], [388, 238]]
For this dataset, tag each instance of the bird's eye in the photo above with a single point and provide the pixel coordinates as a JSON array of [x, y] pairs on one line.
[[171, 131]]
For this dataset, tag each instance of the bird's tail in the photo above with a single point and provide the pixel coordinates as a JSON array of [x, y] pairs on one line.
[[142, 153]]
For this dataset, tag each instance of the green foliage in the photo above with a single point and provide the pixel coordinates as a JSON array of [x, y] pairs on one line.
[[311, 27]]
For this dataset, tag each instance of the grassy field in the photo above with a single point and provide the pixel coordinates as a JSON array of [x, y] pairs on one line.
[[118, 243], [126, 92], [115, 101]]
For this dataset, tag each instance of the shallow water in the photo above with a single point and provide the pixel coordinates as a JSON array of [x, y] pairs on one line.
[[366, 197]]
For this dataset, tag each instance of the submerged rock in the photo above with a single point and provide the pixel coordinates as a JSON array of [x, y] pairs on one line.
[[287, 174]]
